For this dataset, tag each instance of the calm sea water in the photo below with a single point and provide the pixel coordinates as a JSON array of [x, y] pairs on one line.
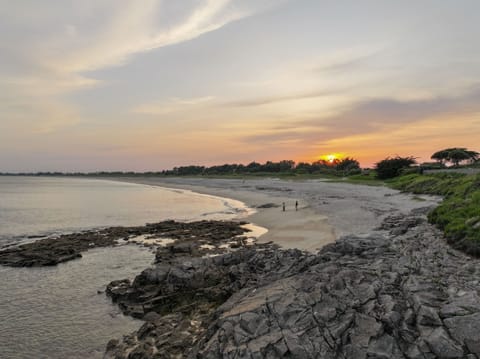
[[57, 312], [44, 205]]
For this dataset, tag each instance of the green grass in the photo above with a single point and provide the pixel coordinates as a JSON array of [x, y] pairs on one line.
[[459, 214], [369, 179], [364, 179], [356, 179]]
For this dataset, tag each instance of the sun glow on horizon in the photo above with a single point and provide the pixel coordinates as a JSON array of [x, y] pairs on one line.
[[331, 157]]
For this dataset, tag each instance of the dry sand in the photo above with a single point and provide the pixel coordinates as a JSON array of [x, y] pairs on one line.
[[326, 211]]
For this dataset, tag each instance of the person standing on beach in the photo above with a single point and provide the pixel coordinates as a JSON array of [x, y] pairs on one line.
[[296, 205], [283, 206]]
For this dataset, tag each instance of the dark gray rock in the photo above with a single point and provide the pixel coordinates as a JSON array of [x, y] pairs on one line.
[[467, 303], [268, 205], [384, 347], [443, 346], [466, 330], [52, 251], [372, 297], [428, 316]]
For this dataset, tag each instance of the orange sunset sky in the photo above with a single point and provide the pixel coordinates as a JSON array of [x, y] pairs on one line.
[[152, 84]]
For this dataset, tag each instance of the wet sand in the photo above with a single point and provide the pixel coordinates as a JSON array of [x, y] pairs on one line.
[[326, 211]]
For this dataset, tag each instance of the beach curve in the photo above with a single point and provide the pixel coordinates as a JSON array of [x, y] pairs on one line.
[[326, 210]]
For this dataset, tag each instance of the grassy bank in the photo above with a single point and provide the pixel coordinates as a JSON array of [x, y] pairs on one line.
[[459, 214]]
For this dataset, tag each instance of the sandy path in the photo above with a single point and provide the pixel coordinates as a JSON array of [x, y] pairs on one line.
[[327, 210]]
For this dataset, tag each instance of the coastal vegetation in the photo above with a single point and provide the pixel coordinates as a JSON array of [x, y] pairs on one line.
[[334, 167], [455, 156], [393, 167], [459, 213]]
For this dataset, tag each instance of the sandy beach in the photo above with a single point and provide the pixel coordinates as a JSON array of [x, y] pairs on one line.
[[326, 210]]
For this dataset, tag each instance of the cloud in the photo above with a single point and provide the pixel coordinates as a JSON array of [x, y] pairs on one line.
[[277, 137], [58, 49], [172, 105], [134, 28], [346, 61], [260, 101], [66, 51], [374, 115], [309, 78]]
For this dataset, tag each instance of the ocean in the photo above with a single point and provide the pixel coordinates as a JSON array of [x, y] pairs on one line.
[[62, 311]]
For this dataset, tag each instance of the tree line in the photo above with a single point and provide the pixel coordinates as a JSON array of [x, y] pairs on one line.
[[343, 167], [346, 166]]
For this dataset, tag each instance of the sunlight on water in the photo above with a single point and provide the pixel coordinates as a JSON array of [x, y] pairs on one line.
[[33, 206]]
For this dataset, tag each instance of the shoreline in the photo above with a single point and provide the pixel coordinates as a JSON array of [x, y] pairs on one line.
[[327, 211], [232, 208], [303, 229]]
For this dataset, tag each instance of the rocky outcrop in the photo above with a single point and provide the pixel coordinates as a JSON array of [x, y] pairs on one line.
[[400, 293], [51, 251]]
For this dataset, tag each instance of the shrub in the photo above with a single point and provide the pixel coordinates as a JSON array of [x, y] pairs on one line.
[[348, 164], [392, 167]]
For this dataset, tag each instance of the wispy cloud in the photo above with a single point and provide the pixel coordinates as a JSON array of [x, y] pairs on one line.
[[129, 29], [57, 58], [260, 101], [134, 28], [172, 105], [346, 63], [374, 113], [371, 116]]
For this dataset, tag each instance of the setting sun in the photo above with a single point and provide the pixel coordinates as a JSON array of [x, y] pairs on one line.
[[331, 157]]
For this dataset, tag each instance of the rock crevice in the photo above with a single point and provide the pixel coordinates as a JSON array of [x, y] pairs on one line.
[[395, 294]]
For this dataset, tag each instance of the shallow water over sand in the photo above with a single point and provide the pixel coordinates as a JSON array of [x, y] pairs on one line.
[[57, 312], [46, 205]]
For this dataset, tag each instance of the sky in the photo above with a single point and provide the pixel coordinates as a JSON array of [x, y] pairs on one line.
[[148, 85]]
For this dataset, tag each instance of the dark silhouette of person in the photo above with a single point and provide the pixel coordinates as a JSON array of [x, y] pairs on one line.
[[283, 206], [296, 205]]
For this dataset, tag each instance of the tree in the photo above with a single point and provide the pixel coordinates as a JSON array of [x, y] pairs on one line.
[[455, 155], [474, 156], [253, 167], [348, 164], [441, 156], [303, 167], [392, 167], [286, 165]]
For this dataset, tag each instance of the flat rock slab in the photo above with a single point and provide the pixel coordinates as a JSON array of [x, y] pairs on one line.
[[408, 295], [188, 237]]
